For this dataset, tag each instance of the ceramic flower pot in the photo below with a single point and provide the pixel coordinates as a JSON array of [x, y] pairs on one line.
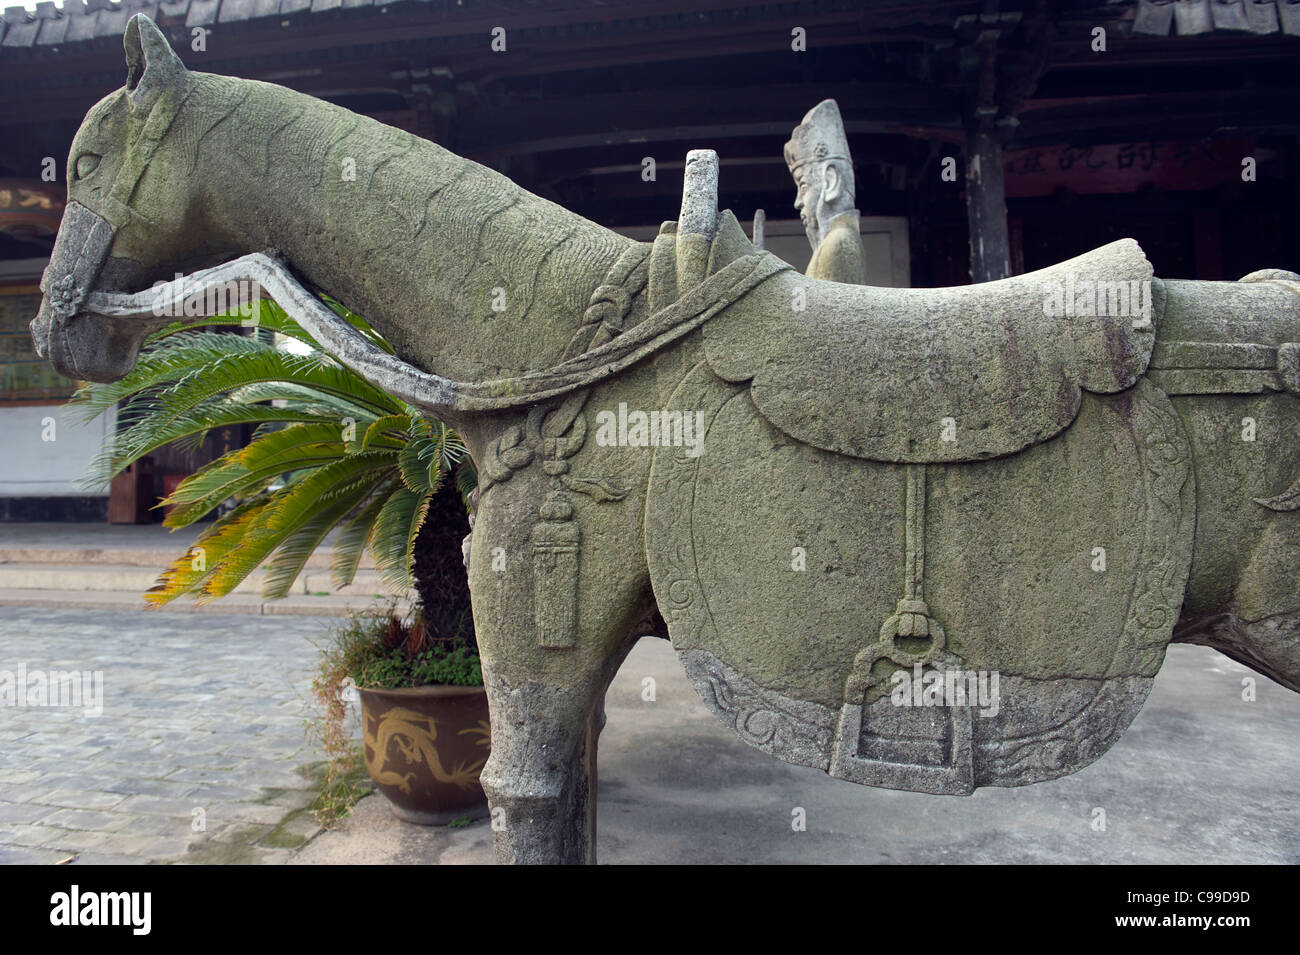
[[425, 748]]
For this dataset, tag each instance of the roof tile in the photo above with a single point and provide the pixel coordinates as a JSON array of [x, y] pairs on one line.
[[202, 13], [79, 20], [1261, 16], [81, 27], [1229, 15], [148, 7], [1193, 17], [1153, 18], [53, 30], [1288, 11], [234, 10], [111, 22], [22, 33], [174, 8]]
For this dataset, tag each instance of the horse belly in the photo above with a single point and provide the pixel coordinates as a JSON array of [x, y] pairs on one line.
[[1247, 555], [1058, 572]]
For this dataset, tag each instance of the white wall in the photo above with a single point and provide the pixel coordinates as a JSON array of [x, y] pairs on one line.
[[32, 467]]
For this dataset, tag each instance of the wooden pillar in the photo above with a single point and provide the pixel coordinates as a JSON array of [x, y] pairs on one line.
[[986, 206], [986, 200]]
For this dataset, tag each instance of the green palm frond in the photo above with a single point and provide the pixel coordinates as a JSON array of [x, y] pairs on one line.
[[418, 465], [187, 572], [161, 365], [394, 535], [466, 479], [296, 547], [355, 534], [329, 453], [292, 508], [187, 432], [248, 470], [235, 371], [392, 430]]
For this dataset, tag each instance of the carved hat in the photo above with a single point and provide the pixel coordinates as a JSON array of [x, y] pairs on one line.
[[819, 137]]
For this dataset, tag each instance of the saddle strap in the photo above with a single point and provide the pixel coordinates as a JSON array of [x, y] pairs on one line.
[[1225, 368], [665, 326]]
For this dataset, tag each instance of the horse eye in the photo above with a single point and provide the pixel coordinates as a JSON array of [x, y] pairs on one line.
[[86, 164]]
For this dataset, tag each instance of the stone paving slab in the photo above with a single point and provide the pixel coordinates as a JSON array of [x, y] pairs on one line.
[[134, 545], [206, 712], [333, 605], [372, 835], [114, 578], [198, 745]]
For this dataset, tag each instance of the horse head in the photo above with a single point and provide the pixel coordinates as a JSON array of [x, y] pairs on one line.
[[129, 215]]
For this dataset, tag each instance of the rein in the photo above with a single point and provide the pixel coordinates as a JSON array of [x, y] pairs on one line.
[[433, 393], [117, 207]]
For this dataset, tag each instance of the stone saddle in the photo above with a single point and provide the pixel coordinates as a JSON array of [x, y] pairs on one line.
[[935, 375]]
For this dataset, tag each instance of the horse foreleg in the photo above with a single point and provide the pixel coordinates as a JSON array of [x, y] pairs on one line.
[[538, 779], [541, 777]]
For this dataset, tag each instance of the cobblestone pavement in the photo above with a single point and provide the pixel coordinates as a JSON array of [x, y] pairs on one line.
[[195, 757]]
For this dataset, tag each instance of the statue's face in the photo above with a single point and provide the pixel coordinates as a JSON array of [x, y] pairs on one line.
[[150, 206], [808, 199]]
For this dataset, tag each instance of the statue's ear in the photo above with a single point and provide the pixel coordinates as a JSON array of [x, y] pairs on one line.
[[832, 184], [151, 66]]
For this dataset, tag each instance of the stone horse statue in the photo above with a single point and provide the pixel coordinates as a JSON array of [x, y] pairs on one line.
[[850, 505]]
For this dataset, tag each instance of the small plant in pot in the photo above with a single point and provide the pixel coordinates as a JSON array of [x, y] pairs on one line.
[[332, 461], [424, 713]]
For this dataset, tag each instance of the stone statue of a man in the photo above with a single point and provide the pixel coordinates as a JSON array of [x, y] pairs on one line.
[[818, 157]]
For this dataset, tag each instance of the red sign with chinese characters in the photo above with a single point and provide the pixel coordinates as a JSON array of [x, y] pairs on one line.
[[1125, 167]]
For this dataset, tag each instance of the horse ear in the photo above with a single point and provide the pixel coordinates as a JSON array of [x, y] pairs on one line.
[[151, 66]]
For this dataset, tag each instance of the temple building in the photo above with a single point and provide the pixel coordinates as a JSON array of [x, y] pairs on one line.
[[988, 138]]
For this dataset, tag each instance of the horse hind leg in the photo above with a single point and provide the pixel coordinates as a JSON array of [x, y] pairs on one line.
[[1270, 646]]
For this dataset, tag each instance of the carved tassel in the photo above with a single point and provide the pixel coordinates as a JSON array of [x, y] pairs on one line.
[[555, 540]]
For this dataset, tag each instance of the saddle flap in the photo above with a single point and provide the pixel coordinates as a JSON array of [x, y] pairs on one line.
[[939, 375], [930, 628]]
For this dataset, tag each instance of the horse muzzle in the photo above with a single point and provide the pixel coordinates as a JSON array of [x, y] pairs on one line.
[[86, 347], [79, 343]]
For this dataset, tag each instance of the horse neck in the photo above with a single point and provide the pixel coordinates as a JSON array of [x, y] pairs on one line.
[[467, 274]]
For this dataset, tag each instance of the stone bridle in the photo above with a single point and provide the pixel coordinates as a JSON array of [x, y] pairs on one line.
[[87, 235]]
